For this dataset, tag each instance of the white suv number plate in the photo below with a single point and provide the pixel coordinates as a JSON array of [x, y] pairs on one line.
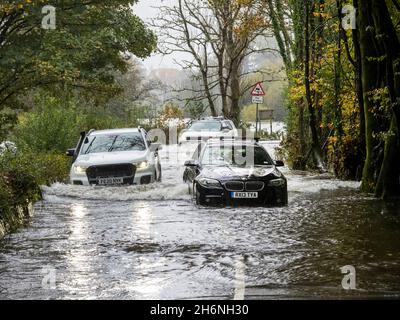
[[244, 195], [111, 181]]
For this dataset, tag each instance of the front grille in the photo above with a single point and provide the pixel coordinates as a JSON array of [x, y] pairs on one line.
[[234, 186], [111, 171], [254, 186]]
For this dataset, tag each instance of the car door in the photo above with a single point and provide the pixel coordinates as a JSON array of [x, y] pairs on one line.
[[234, 129], [191, 172], [155, 158], [79, 146]]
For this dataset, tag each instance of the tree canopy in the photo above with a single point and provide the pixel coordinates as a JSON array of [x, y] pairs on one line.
[[91, 40]]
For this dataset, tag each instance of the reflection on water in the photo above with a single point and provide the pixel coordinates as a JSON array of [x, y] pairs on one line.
[[144, 285], [240, 283], [79, 262], [142, 221]]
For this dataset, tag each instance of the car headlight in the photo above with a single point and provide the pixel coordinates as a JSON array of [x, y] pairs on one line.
[[276, 183], [142, 165], [209, 183], [80, 169]]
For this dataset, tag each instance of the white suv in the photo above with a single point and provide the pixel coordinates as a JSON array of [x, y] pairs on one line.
[[115, 157], [208, 128]]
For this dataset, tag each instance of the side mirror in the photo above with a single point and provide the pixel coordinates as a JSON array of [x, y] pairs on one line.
[[155, 146], [70, 152], [192, 163], [279, 163]]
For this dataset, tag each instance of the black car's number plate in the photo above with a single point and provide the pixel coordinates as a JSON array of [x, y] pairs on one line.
[[244, 195], [110, 181]]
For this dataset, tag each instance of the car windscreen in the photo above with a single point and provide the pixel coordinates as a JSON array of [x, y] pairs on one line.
[[114, 143], [228, 125], [236, 155], [213, 126]]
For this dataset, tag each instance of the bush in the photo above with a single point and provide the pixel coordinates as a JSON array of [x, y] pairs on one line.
[[5, 195], [54, 126], [195, 109], [266, 135], [172, 116], [44, 168], [8, 118], [51, 128], [18, 187], [98, 121]]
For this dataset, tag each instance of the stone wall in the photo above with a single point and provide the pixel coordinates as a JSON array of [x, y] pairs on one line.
[[11, 222]]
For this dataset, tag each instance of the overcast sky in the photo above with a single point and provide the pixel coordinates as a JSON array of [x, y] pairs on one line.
[[145, 10]]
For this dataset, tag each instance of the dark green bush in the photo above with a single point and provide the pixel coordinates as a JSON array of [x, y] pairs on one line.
[[18, 187], [51, 128], [5, 195], [54, 126], [98, 121], [45, 168]]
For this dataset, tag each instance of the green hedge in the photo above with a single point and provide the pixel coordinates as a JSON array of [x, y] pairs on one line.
[[44, 168], [22, 174], [18, 188]]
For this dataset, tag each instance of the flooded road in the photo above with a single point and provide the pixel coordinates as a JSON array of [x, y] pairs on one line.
[[152, 242]]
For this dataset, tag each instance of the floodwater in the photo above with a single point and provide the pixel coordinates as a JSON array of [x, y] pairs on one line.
[[152, 242]]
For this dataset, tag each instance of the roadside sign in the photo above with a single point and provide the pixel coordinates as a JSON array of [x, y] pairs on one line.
[[258, 99], [258, 90], [266, 114]]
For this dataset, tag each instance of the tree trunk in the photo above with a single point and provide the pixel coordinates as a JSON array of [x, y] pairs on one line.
[[281, 42], [208, 94], [387, 38], [302, 137], [360, 94], [388, 185], [315, 145], [371, 80], [235, 93], [338, 85]]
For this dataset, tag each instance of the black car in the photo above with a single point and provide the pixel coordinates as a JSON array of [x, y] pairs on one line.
[[235, 172]]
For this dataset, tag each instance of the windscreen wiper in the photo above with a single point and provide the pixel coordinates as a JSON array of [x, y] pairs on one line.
[[90, 146], [112, 145]]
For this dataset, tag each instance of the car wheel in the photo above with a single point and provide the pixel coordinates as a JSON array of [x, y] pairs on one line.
[[159, 178], [193, 192], [196, 195], [286, 199]]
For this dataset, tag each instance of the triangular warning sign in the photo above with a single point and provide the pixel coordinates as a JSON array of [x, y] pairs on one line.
[[258, 90]]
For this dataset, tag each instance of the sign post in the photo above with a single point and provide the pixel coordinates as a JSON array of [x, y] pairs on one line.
[[258, 94], [267, 115]]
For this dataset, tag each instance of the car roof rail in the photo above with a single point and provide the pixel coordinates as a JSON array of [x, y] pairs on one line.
[[256, 139], [91, 131], [143, 130], [213, 118], [249, 139]]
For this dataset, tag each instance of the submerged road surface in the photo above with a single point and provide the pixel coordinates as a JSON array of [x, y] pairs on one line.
[[152, 242]]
